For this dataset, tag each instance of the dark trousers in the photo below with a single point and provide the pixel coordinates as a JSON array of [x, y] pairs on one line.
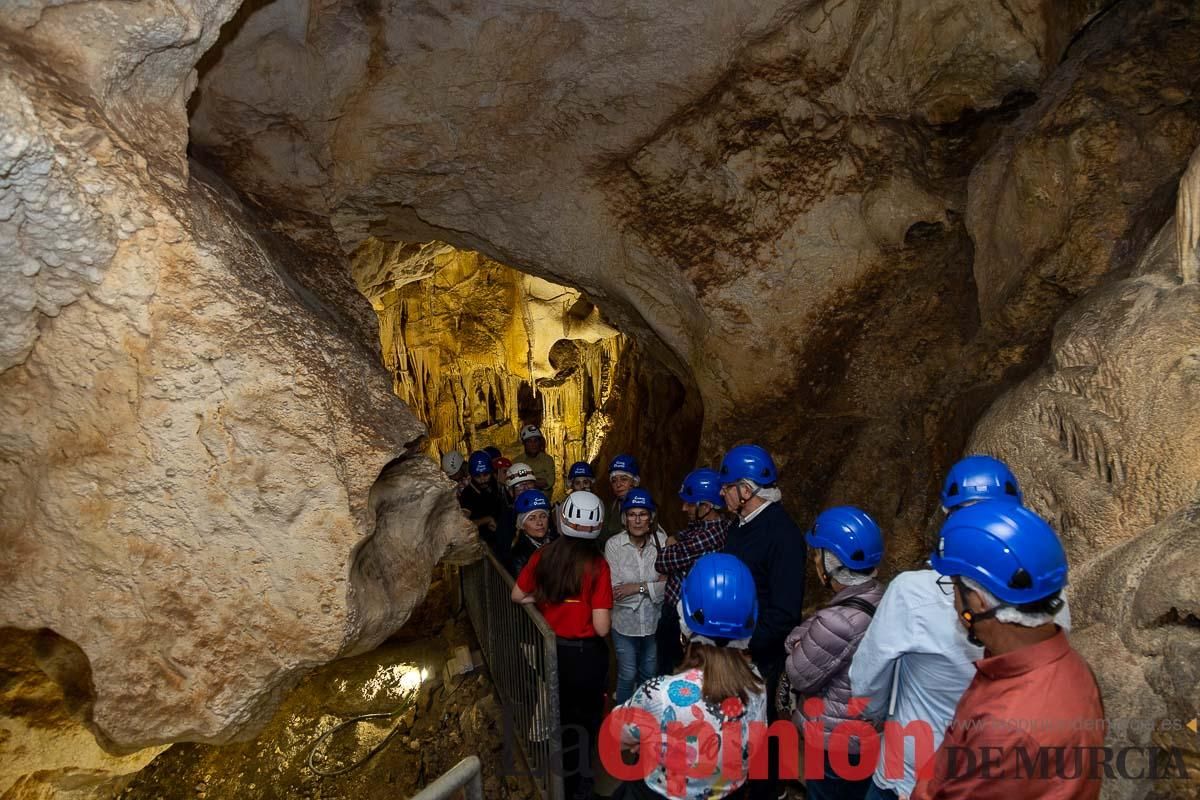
[[832, 787], [666, 636], [582, 679], [768, 788]]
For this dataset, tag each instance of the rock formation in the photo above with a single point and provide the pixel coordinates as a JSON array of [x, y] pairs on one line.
[[843, 228], [188, 447], [1106, 441]]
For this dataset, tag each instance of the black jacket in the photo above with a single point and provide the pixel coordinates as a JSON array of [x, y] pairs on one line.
[[772, 546], [524, 549]]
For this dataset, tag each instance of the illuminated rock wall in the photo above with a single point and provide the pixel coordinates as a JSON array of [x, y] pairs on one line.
[[461, 334]]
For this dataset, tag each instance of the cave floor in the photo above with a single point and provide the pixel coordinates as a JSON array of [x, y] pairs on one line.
[[448, 721]]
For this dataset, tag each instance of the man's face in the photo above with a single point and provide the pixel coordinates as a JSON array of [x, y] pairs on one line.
[[620, 485], [733, 495], [534, 445], [523, 486], [581, 484], [481, 480], [692, 511]]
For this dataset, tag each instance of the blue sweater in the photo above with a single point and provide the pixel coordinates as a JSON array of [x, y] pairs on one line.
[[772, 546]]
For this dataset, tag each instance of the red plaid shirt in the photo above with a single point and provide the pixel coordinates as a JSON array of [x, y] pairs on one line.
[[695, 540]]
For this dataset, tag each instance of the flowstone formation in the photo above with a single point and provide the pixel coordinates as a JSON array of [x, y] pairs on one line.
[[1106, 441], [466, 338]]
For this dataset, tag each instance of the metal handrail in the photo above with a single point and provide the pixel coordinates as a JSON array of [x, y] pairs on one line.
[[467, 773], [521, 653]]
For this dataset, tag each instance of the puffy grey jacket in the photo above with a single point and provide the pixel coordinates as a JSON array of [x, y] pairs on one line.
[[819, 653]]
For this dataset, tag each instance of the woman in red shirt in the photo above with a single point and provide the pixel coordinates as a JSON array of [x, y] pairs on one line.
[[569, 582]]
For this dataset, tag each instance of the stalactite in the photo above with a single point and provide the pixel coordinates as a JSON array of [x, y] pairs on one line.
[[462, 339]]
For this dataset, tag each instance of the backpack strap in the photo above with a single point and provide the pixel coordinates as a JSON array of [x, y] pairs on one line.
[[864, 606]]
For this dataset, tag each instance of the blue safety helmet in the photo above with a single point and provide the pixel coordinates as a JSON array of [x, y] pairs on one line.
[[719, 598], [1005, 548], [979, 478], [850, 534], [624, 463], [702, 486], [748, 462], [531, 500], [638, 498], [580, 469], [481, 463]]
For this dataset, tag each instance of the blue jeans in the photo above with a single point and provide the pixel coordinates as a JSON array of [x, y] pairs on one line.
[[879, 793], [832, 787], [636, 662]]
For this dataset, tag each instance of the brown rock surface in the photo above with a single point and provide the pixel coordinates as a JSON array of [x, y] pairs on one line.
[[187, 450]]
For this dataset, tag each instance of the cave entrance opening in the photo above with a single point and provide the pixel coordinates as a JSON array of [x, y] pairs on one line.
[[479, 349]]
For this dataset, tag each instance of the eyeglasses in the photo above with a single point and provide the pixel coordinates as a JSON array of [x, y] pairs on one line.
[[947, 584]]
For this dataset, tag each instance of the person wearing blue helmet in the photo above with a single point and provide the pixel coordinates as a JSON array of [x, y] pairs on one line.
[[977, 478], [624, 474], [1006, 570], [705, 533], [771, 544], [483, 502], [637, 590], [915, 662], [580, 477], [847, 547], [716, 685], [533, 528]]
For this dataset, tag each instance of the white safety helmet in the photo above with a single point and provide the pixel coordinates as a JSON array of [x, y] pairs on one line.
[[519, 472], [531, 432], [452, 462], [582, 515]]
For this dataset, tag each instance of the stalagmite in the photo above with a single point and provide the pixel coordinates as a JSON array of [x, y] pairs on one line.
[[1187, 221]]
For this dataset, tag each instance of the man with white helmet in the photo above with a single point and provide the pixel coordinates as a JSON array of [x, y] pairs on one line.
[[455, 467], [541, 462], [520, 479]]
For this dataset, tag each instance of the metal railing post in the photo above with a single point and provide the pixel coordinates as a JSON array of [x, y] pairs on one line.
[[522, 656], [467, 773]]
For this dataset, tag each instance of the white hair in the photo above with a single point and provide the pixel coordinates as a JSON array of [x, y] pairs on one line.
[[770, 494], [843, 574], [1027, 619]]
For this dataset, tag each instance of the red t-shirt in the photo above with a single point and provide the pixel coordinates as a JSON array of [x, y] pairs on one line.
[[572, 618]]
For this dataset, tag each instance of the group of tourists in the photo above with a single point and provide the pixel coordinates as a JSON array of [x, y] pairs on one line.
[[706, 623]]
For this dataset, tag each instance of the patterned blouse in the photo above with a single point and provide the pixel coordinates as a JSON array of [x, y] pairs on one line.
[[678, 698]]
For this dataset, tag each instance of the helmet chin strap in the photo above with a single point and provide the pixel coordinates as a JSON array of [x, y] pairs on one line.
[[970, 617]]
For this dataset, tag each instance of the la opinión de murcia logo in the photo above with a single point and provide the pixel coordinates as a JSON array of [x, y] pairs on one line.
[[699, 749]]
